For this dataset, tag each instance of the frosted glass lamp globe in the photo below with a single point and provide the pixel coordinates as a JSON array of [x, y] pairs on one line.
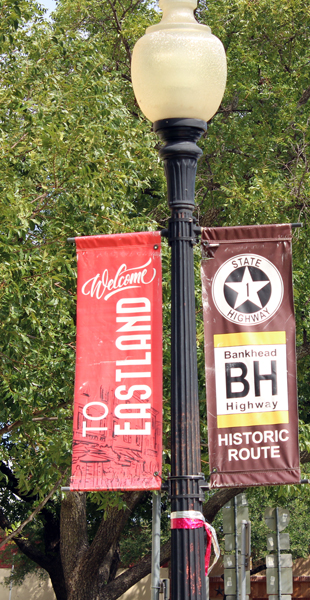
[[178, 67]]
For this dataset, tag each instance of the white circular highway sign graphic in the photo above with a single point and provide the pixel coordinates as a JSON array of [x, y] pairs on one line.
[[247, 289]]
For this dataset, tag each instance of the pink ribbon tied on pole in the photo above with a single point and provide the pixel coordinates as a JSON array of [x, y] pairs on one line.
[[193, 519]]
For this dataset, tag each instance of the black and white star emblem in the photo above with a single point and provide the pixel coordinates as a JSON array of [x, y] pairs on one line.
[[247, 289]]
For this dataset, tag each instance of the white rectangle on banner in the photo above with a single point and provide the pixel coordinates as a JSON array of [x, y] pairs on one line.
[[251, 384]]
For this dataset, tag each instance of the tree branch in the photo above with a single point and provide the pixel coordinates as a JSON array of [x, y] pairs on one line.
[[24, 545], [119, 30], [303, 350], [217, 501], [258, 569], [17, 531], [35, 417], [304, 97], [13, 485], [110, 529], [132, 575], [304, 457], [20, 140]]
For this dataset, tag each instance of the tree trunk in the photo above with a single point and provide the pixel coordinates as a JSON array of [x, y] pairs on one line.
[[88, 568], [57, 578]]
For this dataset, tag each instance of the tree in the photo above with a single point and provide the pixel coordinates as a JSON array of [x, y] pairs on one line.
[[72, 163], [77, 158]]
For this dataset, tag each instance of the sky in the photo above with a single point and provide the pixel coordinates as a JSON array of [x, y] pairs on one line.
[[49, 4]]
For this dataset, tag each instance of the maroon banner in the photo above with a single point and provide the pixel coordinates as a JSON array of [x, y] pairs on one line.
[[117, 422], [250, 355]]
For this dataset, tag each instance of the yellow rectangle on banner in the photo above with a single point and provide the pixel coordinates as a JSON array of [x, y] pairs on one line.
[[249, 338], [263, 418]]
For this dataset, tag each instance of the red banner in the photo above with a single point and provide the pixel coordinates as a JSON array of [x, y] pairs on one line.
[[250, 355], [117, 422]]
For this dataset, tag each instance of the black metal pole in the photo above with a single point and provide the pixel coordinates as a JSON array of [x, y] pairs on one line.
[[278, 555], [180, 154], [236, 550]]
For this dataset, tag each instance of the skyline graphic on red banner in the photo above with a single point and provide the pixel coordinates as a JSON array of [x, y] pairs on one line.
[[250, 355], [117, 421]]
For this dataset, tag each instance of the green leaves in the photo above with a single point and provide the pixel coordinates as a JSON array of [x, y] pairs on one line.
[[74, 160]]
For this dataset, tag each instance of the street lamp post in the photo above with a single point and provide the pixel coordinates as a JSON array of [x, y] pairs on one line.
[[179, 76]]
